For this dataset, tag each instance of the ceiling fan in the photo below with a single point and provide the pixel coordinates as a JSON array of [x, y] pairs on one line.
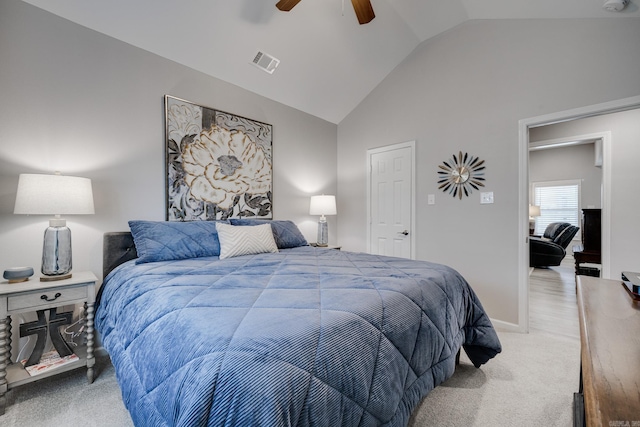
[[363, 8]]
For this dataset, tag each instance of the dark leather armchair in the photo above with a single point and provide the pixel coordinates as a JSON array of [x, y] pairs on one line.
[[550, 249]]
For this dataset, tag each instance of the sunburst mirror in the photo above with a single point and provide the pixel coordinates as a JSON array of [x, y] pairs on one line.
[[461, 174]]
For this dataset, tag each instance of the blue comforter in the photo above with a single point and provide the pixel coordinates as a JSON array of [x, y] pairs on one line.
[[303, 337]]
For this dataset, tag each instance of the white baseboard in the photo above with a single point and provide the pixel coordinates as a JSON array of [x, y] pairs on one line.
[[506, 326]]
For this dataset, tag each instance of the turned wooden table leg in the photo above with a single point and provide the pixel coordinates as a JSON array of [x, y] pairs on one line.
[[9, 340], [90, 358], [4, 361]]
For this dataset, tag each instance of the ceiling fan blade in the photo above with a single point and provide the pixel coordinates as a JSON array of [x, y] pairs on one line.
[[286, 5], [364, 10]]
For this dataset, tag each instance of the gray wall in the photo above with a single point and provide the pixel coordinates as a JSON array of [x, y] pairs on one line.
[[625, 197], [466, 90], [569, 163], [85, 104]]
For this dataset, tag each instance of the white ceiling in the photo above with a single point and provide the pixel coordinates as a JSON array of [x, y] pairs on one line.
[[329, 63]]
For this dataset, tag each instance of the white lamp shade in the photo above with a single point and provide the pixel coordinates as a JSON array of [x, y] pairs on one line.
[[534, 210], [323, 205], [53, 195]]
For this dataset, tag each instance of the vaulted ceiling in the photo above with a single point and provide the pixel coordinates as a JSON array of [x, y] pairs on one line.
[[329, 62]]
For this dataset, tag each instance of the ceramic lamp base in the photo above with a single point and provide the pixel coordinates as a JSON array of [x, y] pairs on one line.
[[323, 233], [56, 250]]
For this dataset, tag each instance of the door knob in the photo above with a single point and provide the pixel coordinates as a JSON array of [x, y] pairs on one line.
[[404, 233]]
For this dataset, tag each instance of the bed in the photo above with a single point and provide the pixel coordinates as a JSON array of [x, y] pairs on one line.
[[296, 336]]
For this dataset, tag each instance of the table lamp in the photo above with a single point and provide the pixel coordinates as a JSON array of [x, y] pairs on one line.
[[54, 195], [534, 211], [323, 205]]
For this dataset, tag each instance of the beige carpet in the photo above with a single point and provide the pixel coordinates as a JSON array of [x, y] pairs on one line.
[[67, 400], [531, 383]]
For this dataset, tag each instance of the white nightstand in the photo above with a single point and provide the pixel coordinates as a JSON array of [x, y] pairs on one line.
[[34, 295]]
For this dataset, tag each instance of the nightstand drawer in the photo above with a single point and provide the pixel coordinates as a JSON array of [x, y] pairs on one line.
[[35, 299]]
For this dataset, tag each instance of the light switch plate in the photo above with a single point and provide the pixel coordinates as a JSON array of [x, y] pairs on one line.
[[486, 197], [431, 199]]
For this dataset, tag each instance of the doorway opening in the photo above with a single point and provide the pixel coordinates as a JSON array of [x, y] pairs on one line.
[[524, 127]]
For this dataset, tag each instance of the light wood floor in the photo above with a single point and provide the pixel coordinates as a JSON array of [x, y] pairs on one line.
[[553, 306]]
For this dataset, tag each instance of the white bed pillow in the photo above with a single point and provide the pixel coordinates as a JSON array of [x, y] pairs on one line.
[[245, 240]]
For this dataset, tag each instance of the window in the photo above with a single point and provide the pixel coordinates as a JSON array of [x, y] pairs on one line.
[[559, 202]]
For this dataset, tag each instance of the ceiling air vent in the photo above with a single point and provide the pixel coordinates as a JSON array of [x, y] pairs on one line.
[[266, 62]]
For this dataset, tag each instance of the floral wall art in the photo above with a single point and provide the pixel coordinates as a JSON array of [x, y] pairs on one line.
[[218, 164]]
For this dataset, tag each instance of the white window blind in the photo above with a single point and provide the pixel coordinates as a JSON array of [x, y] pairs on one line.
[[559, 202]]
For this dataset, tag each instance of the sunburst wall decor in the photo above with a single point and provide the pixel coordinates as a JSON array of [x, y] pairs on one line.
[[460, 174]]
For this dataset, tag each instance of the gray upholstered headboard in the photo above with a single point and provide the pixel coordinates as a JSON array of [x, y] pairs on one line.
[[117, 247]]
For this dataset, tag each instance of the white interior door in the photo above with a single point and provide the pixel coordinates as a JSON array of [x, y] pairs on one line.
[[391, 200]]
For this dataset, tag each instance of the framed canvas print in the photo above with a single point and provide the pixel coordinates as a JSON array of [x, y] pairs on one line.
[[218, 164]]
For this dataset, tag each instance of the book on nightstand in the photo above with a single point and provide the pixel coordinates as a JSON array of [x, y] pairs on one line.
[[48, 361]]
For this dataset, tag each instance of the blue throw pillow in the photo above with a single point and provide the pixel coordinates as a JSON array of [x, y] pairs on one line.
[[169, 240], [286, 233]]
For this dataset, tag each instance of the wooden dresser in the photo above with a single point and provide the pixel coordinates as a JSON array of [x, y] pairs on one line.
[[589, 251], [610, 354]]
